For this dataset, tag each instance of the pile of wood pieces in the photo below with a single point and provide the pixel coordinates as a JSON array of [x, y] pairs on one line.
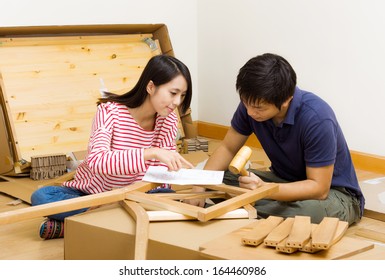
[[196, 144], [295, 234], [48, 166]]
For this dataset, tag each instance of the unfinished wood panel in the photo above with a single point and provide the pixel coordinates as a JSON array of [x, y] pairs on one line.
[[51, 86], [279, 233], [300, 232], [261, 230], [322, 236]]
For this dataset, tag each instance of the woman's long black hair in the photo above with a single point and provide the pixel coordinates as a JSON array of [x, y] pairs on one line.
[[160, 69]]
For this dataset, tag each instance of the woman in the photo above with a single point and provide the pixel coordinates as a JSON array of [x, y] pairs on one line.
[[130, 132]]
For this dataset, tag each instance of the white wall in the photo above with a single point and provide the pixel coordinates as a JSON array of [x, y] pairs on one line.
[[337, 48], [179, 16]]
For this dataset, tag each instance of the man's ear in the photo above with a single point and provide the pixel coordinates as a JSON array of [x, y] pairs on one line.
[[150, 87], [287, 102]]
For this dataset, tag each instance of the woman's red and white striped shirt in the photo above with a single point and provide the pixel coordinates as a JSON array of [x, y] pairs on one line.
[[116, 149]]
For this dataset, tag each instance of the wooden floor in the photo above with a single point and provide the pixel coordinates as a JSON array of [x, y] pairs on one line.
[[20, 241]]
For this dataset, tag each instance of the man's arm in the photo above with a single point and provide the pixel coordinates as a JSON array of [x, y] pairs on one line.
[[316, 186], [226, 151]]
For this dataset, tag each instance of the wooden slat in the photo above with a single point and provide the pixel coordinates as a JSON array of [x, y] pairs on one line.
[[261, 230], [300, 232], [371, 234], [237, 202], [323, 235], [279, 233], [341, 229]]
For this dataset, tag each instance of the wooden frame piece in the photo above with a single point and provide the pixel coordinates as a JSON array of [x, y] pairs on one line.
[[136, 192], [141, 218]]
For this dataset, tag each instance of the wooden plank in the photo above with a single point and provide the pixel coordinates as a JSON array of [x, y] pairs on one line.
[[251, 210], [323, 235], [236, 202], [261, 230], [371, 234], [45, 123], [341, 229], [300, 232], [142, 227], [279, 233]]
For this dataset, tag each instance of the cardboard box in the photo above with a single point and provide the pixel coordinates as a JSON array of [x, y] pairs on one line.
[[109, 233]]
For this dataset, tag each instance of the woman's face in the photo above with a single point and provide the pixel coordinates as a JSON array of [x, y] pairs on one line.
[[167, 97]]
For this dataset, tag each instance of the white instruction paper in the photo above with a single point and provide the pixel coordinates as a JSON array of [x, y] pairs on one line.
[[160, 174]]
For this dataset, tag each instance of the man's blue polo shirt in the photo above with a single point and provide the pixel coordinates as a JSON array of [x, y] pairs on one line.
[[309, 136]]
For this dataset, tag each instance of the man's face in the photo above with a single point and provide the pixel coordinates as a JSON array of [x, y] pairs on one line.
[[261, 111]]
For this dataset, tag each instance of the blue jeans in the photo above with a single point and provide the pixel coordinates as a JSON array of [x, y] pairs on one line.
[[50, 194]]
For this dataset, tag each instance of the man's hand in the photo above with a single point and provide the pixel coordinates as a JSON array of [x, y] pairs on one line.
[[196, 202], [250, 182]]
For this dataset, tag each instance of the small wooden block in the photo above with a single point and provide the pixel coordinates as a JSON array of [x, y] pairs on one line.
[[261, 230], [300, 232], [279, 233], [323, 235]]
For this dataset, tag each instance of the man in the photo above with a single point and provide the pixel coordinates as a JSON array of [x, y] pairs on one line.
[[299, 132]]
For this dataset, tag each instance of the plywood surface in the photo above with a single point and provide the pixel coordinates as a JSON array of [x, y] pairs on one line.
[[51, 85]]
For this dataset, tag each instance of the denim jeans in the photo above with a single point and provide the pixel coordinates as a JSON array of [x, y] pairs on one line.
[[50, 194]]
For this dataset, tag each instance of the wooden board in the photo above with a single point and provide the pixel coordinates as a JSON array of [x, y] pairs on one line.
[[51, 85], [229, 247]]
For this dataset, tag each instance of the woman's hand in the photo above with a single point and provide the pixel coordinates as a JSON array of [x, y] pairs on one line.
[[250, 182], [172, 159]]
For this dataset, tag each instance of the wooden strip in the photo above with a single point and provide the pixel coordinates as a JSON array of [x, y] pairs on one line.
[[142, 227], [261, 230], [164, 215], [279, 233], [191, 195], [228, 189], [341, 229], [300, 232], [62, 206], [164, 203], [251, 210], [237, 202], [324, 233], [371, 234], [63, 40]]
